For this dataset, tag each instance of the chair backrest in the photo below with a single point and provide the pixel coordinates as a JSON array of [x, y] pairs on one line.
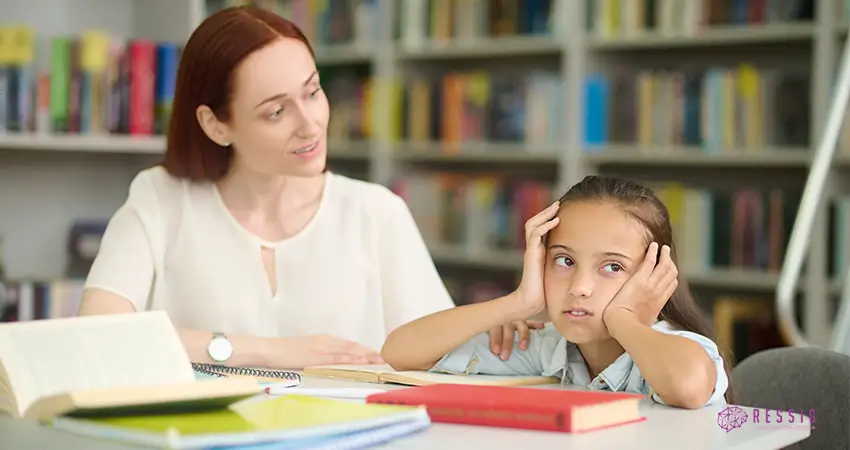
[[800, 378]]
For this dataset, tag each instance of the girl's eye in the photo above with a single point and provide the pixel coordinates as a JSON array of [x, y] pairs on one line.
[[276, 113], [613, 267], [313, 94], [563, 261]]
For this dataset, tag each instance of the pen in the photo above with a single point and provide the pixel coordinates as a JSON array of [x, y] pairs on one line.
[[330, 393]]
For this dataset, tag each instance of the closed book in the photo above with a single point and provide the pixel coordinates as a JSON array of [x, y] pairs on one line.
[[558, 410]]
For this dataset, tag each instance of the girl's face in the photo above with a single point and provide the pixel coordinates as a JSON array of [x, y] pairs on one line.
[[590, 254]]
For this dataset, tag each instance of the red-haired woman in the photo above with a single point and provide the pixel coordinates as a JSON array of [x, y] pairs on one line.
[[260, 256]]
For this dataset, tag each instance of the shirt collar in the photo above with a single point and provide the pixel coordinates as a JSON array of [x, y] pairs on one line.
[[568, 365]]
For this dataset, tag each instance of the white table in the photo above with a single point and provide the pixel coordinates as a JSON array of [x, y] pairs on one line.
[[665, 428]]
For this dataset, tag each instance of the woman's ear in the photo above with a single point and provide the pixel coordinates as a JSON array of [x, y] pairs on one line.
[[217, 131]]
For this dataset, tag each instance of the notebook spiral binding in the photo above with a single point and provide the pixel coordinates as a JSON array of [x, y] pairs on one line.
[[221, 371]]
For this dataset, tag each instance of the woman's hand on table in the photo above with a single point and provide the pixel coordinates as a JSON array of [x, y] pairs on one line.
[[317, 350]]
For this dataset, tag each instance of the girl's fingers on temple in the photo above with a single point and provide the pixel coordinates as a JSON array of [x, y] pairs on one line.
[[545, 228], [541, 217], [663, 267], [649, 260]]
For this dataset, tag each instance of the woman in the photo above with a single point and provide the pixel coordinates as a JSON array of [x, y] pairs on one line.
[[260, 256]]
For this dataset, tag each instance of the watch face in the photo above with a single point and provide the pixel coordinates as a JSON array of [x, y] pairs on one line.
[[220, 349]]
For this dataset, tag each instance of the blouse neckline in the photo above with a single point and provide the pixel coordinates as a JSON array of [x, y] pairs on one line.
[[274, 244]]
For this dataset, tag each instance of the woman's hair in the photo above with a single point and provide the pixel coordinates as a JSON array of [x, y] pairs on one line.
[[681, 311], [206, 77]]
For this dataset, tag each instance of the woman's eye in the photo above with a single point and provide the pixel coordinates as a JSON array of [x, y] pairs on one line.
[[276, 113], [314, 93], [563, 261], [613, 267]]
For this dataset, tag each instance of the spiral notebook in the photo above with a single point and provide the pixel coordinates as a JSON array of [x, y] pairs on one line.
[[263, 376]]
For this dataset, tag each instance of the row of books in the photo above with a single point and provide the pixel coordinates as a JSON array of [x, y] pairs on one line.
[[716, 110], [479, 213], [420, 21], [628, 18], [22, 300], [455, 108], [744, 109], [350, 96], [350, 22], [481, 107], [735, 228], [91, 83], [465, 291]]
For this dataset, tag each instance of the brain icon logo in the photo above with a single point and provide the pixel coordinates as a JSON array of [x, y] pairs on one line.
[[730, 418]]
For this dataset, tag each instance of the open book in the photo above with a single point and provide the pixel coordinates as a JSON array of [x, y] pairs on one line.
[[382, 373], [85, 365]]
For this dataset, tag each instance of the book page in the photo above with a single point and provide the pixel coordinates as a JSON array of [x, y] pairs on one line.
[[489, 380], [367, 368], [49, 357]]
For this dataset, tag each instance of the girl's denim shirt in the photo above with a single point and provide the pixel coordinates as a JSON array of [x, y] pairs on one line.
[[549, 354]]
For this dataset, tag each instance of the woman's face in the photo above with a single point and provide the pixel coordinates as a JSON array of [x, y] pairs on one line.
[[279, 112]]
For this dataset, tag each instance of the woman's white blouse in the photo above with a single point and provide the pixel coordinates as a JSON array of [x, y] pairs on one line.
[[359, 269]]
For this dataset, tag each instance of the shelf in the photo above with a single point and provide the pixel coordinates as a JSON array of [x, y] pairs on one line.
[[517, 46], [147, 145], [735, 279], [716, 36], [694, 156], [343, 54], [486, 259], [481, 152], [349, 150]]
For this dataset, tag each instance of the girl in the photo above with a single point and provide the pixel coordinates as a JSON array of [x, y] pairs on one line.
[[601, 260]]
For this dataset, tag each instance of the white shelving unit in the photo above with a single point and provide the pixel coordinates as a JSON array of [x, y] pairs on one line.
[[48, 181]]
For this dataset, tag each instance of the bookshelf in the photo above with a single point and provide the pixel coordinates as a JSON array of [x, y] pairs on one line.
[[89, 175]]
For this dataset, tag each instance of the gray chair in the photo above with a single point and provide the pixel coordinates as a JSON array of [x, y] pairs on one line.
[[800, 377]]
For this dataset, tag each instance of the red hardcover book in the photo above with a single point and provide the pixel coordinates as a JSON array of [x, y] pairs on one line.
[[566, 411], [142, 84]]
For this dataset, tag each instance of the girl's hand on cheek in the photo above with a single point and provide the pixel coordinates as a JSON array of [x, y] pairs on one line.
[[646, 292]]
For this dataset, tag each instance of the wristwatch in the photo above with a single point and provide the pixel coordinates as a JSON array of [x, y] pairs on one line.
[[219, 347]]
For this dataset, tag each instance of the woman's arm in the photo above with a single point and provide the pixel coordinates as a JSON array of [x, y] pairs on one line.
[[248, 351], [679, 370], [419, 344], [122, 275]]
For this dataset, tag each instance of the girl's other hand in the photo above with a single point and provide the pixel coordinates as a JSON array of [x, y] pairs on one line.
[[502, 338], [530, 290]]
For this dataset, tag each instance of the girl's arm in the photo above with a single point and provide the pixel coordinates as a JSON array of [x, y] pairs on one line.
[[419, 344], [680, 370]]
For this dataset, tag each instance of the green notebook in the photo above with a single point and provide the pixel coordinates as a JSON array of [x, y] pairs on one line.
[[250, 422]]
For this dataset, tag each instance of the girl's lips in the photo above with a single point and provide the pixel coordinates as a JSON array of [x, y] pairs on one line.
[[578, 313]]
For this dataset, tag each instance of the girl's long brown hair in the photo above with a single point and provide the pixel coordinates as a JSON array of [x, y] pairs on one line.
[[681, 311]]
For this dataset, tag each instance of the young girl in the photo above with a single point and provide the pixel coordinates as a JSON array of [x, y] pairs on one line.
[[601, 260]]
